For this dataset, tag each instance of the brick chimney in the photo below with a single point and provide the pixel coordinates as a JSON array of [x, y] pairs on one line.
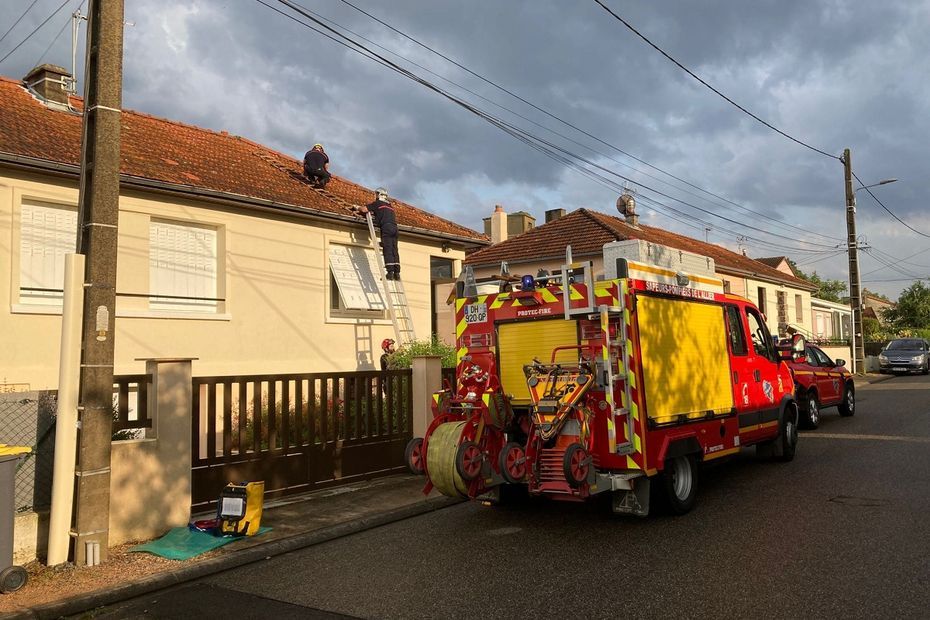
[[50, 83], [554, 214], [498, 225]]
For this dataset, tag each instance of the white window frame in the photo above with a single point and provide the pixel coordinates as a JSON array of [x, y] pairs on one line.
[[356, 290], [47, 232], [184, 267]]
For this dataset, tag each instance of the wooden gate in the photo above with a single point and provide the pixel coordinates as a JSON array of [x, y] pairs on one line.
[[297, 432]]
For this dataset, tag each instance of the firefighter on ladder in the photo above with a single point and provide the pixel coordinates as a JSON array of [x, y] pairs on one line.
[[383, 213]]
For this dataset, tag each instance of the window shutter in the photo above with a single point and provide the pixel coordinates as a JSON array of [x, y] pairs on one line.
[[355, 269], [47, 233], [182, 266]]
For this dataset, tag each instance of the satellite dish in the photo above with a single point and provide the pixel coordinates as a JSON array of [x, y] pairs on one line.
[[626, 204]]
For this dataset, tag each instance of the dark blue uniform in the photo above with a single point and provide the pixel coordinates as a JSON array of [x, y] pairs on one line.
[[315, 167], [386, 221]]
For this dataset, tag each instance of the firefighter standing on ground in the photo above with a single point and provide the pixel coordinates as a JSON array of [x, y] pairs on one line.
[[383, 213], [316, 166]]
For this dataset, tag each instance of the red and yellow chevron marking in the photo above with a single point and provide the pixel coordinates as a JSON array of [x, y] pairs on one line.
[[636, 459]]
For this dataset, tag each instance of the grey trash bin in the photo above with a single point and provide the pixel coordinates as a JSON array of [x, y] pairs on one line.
[[12, 578]]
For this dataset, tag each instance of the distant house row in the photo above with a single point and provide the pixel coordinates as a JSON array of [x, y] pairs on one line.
[[785, 299]]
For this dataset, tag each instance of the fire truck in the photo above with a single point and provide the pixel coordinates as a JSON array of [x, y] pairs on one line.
[[574, 385]]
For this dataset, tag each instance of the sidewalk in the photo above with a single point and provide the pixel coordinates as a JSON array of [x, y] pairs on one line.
[[297, 521]]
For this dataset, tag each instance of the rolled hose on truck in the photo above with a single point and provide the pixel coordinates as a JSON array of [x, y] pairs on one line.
[[440, 460]]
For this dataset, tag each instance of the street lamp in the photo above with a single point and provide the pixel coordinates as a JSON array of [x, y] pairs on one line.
[[852, 244], [882, 182]]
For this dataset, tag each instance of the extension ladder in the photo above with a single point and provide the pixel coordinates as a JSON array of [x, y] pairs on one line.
[[396, 301]]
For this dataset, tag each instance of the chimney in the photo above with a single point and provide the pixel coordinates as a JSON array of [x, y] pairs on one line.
[[498, 225], [50, 83], [554, 214]]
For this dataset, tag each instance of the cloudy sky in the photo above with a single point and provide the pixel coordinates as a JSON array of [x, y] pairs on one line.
[[583, 88]]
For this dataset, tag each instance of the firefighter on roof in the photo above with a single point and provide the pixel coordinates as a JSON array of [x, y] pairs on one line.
[[383, 213], [316, 166]]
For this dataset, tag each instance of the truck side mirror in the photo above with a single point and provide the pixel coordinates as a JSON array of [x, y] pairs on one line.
[[840, 362]]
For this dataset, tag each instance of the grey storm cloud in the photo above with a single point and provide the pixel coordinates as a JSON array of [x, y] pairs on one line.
[[833, 73]]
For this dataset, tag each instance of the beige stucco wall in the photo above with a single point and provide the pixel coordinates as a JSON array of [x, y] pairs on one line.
[[273, 272]]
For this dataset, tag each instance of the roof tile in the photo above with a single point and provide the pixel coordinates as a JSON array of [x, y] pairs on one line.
[[587, 232], [185, 155]]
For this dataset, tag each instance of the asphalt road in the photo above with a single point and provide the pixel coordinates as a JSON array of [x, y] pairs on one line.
[[842, 531]]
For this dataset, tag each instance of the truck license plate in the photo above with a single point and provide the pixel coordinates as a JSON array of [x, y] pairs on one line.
[[476, 313]]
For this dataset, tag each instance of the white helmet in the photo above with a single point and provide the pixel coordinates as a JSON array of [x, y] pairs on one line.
[[382, 193]]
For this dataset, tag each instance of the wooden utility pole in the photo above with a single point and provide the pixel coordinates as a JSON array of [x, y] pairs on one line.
[[97, 239], [855, 290]]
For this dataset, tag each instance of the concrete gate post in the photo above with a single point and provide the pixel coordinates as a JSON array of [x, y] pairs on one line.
[[427, 378], [151, 477]]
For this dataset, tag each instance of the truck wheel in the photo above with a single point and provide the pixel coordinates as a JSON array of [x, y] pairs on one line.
[[413, 456], [681, 480], [847, 408], [811, 410], [787, 442]]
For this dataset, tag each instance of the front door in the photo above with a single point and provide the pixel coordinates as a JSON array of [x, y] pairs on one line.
[[764, 387]]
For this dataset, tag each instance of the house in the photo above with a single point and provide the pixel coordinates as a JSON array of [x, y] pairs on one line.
[[225, 253], [874, 307], [784, 298]]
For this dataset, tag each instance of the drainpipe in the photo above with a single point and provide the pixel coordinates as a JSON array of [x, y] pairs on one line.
[[59, 527]]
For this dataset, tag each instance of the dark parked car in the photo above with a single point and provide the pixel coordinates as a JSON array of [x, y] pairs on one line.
[[905, 355], [821, 382]]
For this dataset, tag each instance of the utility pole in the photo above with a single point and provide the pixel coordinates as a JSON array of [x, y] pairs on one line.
[[98, 213], [852, 245]]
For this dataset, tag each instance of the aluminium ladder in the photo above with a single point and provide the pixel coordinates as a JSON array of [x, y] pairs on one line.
[[396, 300]]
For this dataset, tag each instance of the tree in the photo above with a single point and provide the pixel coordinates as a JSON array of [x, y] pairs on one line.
[[830, 290], [912, 310]]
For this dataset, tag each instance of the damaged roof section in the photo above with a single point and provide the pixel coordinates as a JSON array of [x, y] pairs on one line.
[[189, 159]]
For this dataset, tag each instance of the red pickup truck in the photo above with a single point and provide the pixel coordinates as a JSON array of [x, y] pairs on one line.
[[821, 382]]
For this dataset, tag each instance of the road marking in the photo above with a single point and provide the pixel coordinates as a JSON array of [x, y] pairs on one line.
[[900, 386], [867, 437]]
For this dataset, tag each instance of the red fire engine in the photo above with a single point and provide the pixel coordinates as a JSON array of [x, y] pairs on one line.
[[575, 387]]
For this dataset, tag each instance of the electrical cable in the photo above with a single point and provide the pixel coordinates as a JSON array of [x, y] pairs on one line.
[[10, 29], [54, 40], [866, 188], [564, 122], [29, 36], [902, 260], [543, 146], [696, 77]]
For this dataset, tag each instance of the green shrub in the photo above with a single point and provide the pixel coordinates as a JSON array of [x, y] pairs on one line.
[[403, 358]]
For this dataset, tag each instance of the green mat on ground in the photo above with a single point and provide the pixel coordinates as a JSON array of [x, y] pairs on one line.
[[182, 543]]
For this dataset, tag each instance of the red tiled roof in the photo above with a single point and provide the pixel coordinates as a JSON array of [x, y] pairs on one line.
[[191, 157], [772, 261], [587, 232]]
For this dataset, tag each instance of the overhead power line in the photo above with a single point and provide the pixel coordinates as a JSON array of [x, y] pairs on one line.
[[699, 79], [906, 225], [16, 23], [37, 28], [545, 147], [567, 124]]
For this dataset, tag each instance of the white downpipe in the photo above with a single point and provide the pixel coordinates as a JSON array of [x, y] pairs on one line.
[[59, 527]]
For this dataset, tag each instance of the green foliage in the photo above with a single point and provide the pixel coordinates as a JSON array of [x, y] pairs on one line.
[[830, 290], [403, 358], [872, 329], [912, 310]]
